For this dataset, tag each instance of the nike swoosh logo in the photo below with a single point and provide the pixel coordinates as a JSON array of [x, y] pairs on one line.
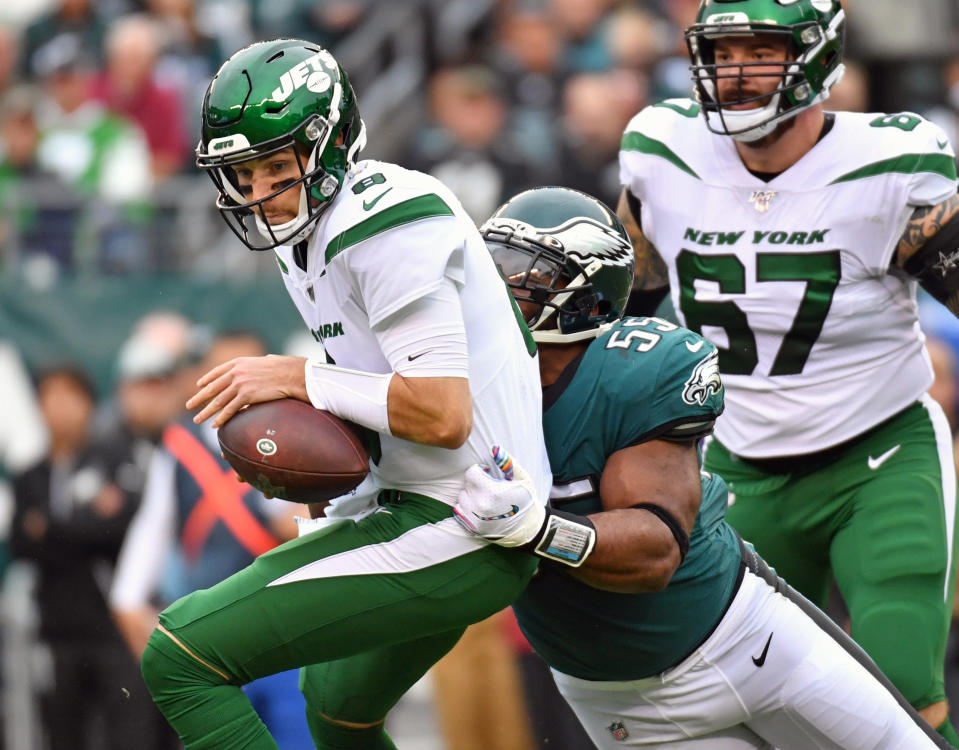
[[367, 205], [761, 659], [875, 463], [943, 142], [513, 510], [694, 347], [411, 357]]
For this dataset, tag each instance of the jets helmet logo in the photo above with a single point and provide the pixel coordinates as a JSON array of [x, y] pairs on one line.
[[704, 382], [312, 73], [587, 240]]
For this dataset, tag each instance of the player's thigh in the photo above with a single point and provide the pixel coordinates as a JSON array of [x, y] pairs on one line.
[[894, 560], [645, 714], [795, 674], [830, 701], [390, 578], [774, 513], [363, 688]]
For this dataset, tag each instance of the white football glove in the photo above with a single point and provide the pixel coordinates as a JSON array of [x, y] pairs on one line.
[[499, 503]]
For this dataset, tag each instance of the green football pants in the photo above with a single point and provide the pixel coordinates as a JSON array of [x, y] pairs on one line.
[[879, 518], [375, 602]]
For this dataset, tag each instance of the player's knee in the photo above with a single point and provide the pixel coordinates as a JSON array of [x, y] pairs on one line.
[[167, 669], [912, 663], [332, 734], [155, 665]]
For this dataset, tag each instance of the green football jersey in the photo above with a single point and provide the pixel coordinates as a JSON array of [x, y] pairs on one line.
[[645, 379]]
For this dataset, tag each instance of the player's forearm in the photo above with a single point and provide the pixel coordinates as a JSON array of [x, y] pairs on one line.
[[634, 553], [433, 411], [430, 410]]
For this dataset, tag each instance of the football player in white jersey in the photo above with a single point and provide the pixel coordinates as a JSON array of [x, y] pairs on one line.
[[793, 238], [424, 348]]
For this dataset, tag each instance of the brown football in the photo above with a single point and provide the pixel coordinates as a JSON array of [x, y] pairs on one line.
[[289, 449]]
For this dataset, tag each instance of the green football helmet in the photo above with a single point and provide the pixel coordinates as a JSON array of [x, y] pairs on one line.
[[814, 32], [267, 97], [567, 257]]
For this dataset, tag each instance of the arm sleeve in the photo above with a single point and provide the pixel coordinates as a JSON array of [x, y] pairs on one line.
[[427, 338], [149, 538]]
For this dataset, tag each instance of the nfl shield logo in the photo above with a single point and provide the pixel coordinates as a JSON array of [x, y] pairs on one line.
[[762, 198], [618, 730]]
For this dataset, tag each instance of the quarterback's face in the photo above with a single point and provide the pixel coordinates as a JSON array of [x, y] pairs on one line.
[[760, 59], [275, 173]]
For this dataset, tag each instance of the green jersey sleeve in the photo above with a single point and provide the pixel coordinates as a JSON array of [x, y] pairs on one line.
[[670, 375]]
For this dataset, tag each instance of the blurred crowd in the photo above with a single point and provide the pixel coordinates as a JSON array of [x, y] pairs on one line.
[[99, 115]]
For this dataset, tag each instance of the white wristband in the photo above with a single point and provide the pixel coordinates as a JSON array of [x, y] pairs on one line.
[[352, 395]]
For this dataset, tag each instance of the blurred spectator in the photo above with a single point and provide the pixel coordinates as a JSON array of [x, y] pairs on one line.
[[77, 19], [851, 94], [69, 519], [128, 86], [9, 58], [99, 155], [590, 143], [23, 433], [187, 60], [528, 58], [324, 21], [637, 39], [671, 77], [480, 678], [196, 526], [946, 113], [582, 25], [18, 162], [470, 145], [155, 376]]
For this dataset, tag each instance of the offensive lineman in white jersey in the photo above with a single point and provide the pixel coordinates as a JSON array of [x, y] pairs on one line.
[[793, 238], [392, 276]]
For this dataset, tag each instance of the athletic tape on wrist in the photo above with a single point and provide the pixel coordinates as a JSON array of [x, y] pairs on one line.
[[564, 538]]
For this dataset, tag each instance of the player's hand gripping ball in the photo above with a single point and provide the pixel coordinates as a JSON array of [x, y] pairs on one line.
[[291, 450]]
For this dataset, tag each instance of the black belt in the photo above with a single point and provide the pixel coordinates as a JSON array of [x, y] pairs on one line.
[[809, 462]]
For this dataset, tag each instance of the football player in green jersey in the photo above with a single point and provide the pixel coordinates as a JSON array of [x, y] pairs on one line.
[[376, 259], [661, 628], [793, 238]]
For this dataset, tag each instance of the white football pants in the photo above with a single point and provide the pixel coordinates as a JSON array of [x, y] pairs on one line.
[[767, 677]]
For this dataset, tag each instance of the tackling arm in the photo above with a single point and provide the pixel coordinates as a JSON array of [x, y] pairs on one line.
[[636, 549], [929, 250]]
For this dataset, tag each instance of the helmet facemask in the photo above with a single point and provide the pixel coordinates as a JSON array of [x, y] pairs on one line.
[[554, 290], [269, 97], [811, 67]]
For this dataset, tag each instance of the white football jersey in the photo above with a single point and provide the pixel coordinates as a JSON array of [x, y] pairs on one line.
[[390, 237], [819, 338]]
